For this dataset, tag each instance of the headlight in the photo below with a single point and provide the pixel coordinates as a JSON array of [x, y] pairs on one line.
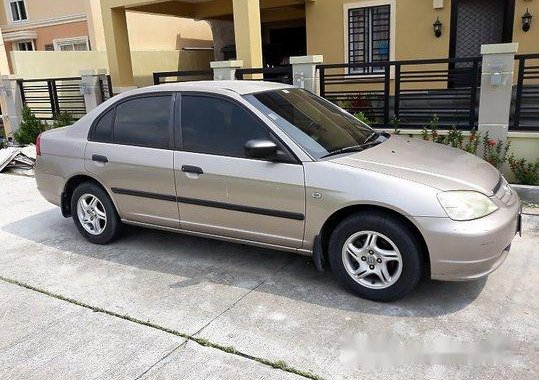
[[466, 205]]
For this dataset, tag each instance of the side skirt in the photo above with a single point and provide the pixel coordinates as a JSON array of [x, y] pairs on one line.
[[219, 237]]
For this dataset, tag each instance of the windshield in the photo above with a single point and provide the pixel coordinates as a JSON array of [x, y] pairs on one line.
[[318, 126]]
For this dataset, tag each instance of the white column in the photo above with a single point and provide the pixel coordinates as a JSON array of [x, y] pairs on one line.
[[304, 72], [90, 88], [496, 89], [225, 70], [11, 102]]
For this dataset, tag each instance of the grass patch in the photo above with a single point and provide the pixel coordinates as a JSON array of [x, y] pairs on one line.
[[279, 364]]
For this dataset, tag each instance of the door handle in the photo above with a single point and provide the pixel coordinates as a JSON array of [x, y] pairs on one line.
[[99, 158], [192, 169]]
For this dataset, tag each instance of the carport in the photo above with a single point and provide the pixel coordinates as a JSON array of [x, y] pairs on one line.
[[248, 16]]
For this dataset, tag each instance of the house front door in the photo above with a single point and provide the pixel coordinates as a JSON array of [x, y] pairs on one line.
[[478, 22]]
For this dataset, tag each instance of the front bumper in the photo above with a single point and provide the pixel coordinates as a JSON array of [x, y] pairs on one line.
[[461, 251]]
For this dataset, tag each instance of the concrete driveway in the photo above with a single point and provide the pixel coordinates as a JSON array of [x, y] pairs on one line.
[[162, 305]]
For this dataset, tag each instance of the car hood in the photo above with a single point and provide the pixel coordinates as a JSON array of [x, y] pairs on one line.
[[428, 163]]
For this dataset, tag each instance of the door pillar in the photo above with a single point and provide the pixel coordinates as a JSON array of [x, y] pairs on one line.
[[118, 50], [248, 34]]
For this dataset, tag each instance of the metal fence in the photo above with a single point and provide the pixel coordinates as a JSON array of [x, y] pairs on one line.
[[525, 115], [281, 74], [105, 87], [46, 98], [181, 76], [410, 92]]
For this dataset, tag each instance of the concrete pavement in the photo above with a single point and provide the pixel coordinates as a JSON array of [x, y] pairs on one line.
[[271, 308]]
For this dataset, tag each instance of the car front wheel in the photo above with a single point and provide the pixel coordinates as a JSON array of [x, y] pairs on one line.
[[376, 256], [94, 213]]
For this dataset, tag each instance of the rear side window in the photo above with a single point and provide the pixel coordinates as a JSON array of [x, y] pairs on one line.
[[215, 126], [103, 129], [144, 122]]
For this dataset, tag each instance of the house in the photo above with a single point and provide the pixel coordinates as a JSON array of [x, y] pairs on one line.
[[266, 32], [76, 26]]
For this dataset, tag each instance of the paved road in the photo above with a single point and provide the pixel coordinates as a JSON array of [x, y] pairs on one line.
[[162, 305]]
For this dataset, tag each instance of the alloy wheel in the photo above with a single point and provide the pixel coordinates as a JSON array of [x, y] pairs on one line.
[[91, 214], [372, 259]]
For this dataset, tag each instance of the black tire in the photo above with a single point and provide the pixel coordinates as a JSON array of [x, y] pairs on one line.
[[401, 236], [113, 223]]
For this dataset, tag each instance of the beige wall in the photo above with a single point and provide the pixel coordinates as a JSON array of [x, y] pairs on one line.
[[152, 32], [414, 37], [49, 64], [528, 41], [46, 9]]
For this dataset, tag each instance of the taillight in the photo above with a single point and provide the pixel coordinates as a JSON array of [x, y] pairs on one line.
[[38, 145]]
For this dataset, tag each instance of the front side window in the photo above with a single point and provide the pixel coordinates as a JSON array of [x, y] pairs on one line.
[[216, 126], [318, 126], [143, 122], [369, 36], [18, 10]]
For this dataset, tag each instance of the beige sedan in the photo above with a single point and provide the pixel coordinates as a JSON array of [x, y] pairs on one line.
[[275, 166]]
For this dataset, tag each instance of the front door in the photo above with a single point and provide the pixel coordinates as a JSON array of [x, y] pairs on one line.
[[222, 192], [478, 22], [130, 152]]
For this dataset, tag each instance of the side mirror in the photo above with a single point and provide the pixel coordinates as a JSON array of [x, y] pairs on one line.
[[260, 149]]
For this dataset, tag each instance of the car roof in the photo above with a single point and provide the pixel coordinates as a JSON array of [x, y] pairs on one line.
[[241, 87]]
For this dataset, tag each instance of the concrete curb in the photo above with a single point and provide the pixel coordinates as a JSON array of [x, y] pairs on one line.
[[527, 192]]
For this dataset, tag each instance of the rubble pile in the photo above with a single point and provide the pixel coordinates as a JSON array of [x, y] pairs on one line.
[[18, 160]]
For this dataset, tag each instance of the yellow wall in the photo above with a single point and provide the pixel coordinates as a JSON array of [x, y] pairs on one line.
[[151, 31], [46, 9], [48, 64], [528, 41], [414, 36]]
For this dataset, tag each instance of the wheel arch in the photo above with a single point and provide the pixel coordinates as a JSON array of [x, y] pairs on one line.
[[334, 219], [71, 184]]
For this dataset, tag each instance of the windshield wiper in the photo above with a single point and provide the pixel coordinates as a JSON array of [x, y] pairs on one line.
[[372, 137], [354, 148]]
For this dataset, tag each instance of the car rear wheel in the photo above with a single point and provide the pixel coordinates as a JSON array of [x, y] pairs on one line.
[[376, 256], [94, 214]]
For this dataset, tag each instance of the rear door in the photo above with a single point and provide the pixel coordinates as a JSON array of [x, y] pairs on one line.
[[130, 150], [222, 192]]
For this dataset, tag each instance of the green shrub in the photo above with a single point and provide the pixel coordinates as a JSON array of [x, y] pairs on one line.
[[63, 119], [31, 126], [494, 151], [29, 129], [526, 173], [363, 118]]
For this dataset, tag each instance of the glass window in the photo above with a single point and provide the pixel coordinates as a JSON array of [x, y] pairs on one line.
[[317, 125], [72, 44], [216, 126], [25, 46], [143, 122], [103, 129], [18, 10], [368, 36]]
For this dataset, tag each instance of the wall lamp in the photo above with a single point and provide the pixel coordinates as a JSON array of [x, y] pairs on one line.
[[437, 27], [526, 21]]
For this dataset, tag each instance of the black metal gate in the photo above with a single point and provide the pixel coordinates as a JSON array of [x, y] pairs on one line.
[[46, 98], [181, 76], [411, 92], [526, 100], [280, 74]]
